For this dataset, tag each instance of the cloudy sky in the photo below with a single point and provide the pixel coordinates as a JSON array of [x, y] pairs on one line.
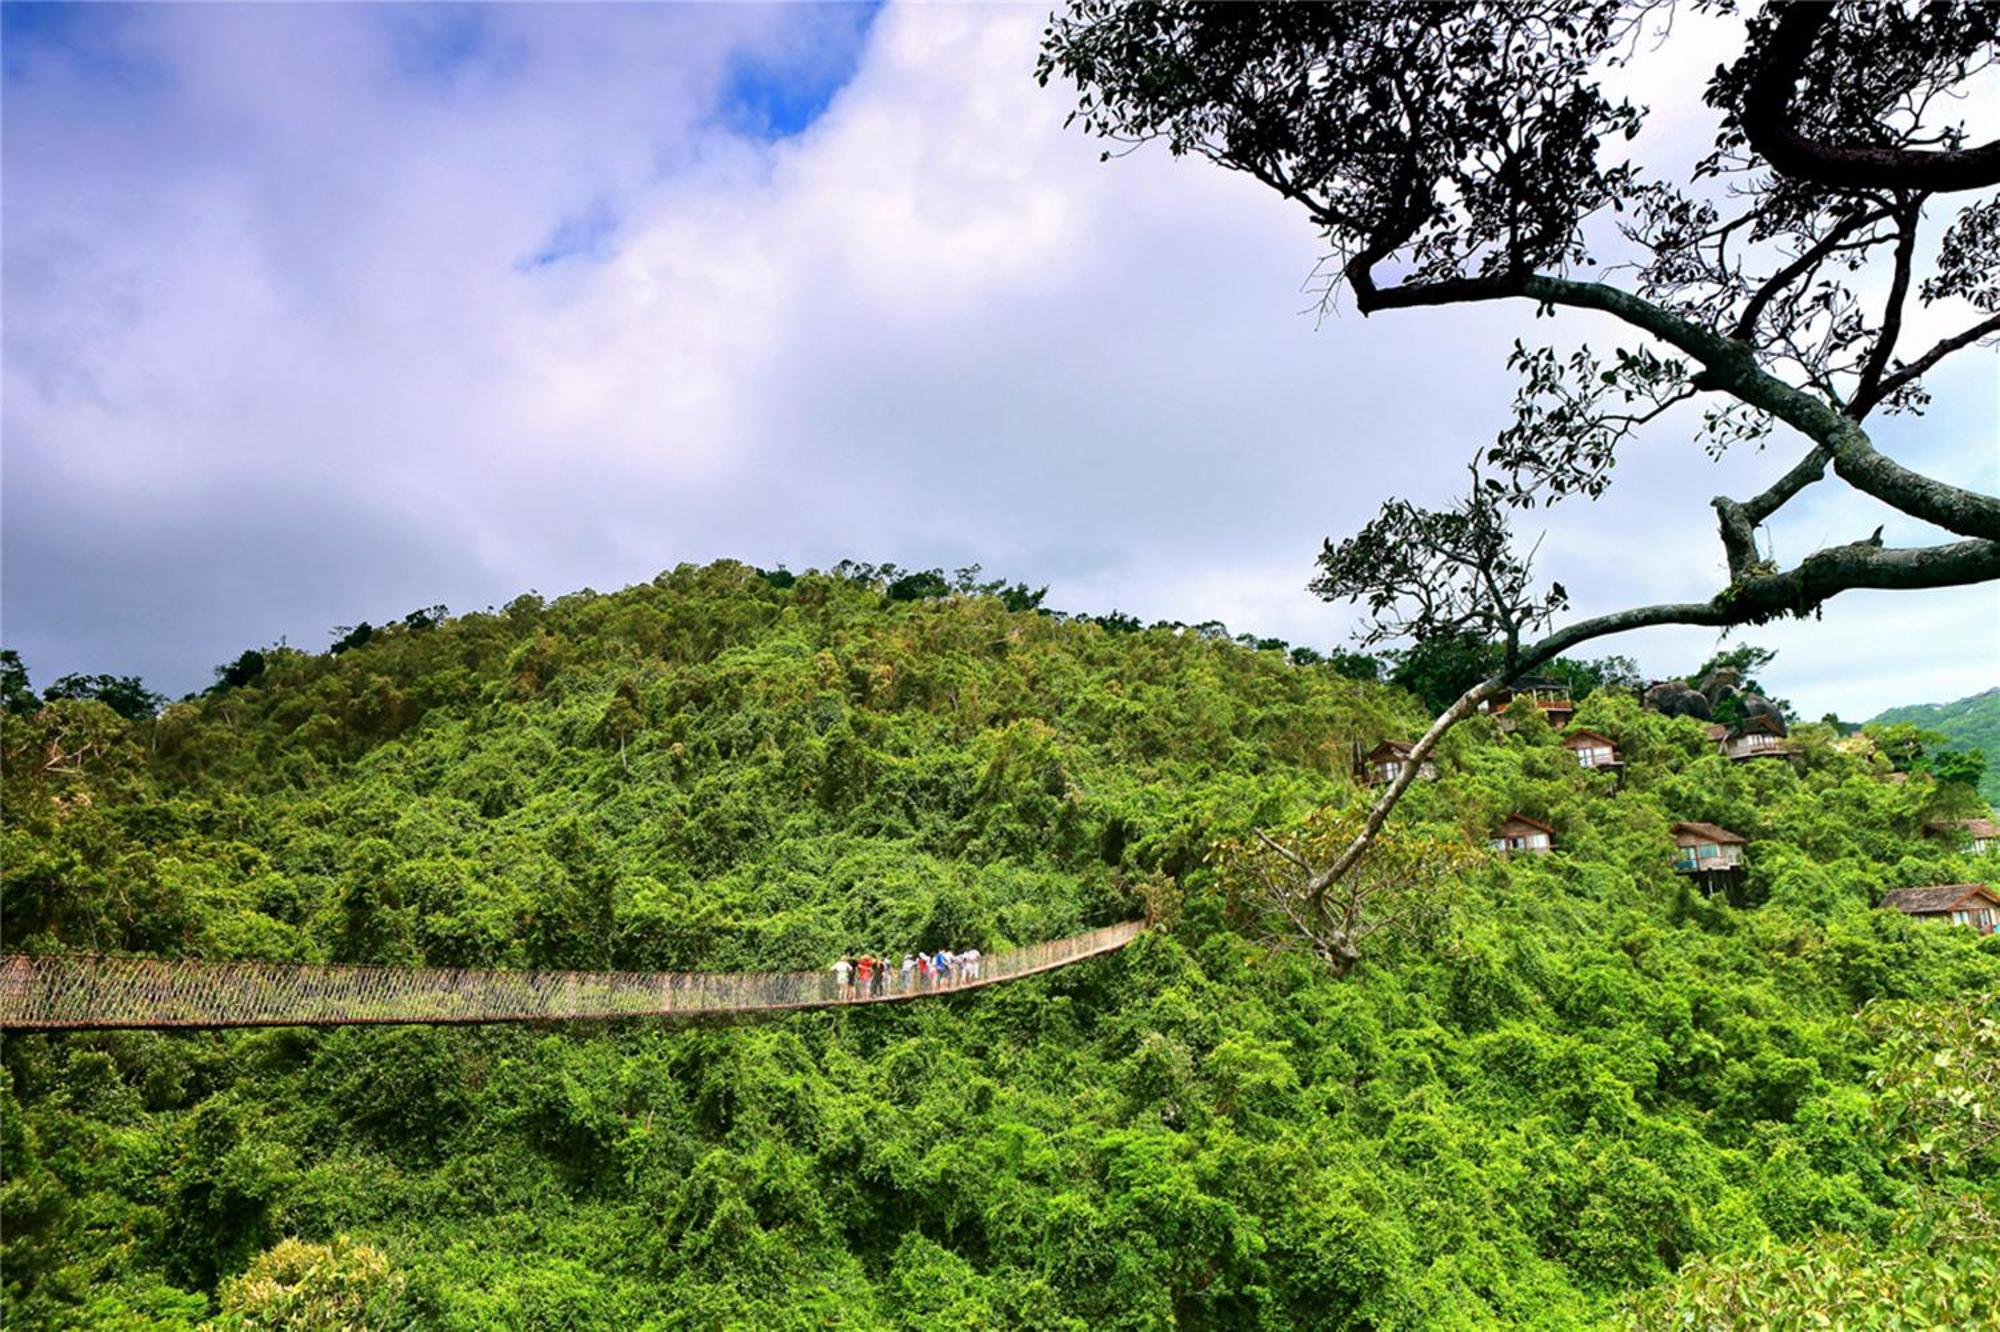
[[317, 314]]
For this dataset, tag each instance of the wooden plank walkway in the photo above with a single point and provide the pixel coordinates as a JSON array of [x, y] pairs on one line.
[[57, 992]]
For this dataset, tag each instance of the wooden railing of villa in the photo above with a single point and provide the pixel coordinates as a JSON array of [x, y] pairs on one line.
[[55, 992]]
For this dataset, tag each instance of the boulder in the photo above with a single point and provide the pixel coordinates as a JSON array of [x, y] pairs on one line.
[[1756, 705], [1676, 698], [1719, 684]]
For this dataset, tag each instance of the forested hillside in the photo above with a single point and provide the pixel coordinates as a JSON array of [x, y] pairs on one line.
[[1970, 723], [1585, 1095]]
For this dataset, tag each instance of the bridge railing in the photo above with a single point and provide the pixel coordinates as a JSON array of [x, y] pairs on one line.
[[56, 992]]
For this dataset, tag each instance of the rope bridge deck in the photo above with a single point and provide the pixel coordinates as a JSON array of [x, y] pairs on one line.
[[56, 992]]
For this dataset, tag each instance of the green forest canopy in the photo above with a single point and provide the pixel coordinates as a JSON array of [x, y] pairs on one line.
[[1591, 1096]]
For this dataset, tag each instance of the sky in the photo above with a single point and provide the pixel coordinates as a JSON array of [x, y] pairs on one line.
[[316, 314]]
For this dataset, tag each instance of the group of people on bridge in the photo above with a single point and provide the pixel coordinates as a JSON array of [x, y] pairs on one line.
[[871, 977]]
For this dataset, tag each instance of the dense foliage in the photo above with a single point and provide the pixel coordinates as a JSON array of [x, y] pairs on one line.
[[1965, 726], [1579, 1081]]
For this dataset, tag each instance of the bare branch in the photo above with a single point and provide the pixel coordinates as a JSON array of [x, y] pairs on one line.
[[1986, 327], [1746, 323], [1892, 313]]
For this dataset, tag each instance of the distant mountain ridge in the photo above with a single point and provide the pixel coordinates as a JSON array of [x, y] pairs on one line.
[[1969, 723]]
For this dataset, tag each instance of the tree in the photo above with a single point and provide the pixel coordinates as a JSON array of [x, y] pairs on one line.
[[1938, 1084], [246, 669], [1355, 665], [1745, 659], [347, 637], [307, 1287], [1278, 886], [624, 716], [1440, 668], [1964, 767], [16, 694], [1465, 153], [426, 617], [125, 695], [918, 585], [1585, 678]]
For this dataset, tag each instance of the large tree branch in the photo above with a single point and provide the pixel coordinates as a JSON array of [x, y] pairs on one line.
[[1727, 366], [1739, 519], [1769, 126], [1797, 591]]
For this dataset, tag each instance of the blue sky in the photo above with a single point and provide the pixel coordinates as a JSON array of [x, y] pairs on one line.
[[317, 314]]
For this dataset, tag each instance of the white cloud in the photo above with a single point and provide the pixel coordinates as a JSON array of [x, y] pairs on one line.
[[933, 328]]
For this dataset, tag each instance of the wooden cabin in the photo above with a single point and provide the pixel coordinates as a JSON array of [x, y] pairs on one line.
[[1593, 750], [1385, 763], [1752, 738], [1521, 833], [1712, 855], [1983, 834], [1550, 697], [1971, 904]]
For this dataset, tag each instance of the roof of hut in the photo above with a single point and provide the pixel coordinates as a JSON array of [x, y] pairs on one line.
[[1709, 832], [1512, 819], [1972, 827], [1937, 898]]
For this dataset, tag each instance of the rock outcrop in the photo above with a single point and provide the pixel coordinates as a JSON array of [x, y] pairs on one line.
[[1677, 698]]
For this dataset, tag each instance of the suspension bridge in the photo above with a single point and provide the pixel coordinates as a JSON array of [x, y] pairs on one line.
[[68, 992]]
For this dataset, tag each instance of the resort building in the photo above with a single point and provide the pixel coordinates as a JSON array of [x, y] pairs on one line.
[[1752, 738], [1385, 763], [1982, 834], [1713, 856], [1521, 833], [1971, 904], [1593, 750], [1550, 697]]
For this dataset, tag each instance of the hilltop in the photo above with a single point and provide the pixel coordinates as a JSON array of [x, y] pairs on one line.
[[1589, 1085]]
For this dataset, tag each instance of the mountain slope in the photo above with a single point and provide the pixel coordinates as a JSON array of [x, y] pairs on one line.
[[1586, 1079], [1970, 723]]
